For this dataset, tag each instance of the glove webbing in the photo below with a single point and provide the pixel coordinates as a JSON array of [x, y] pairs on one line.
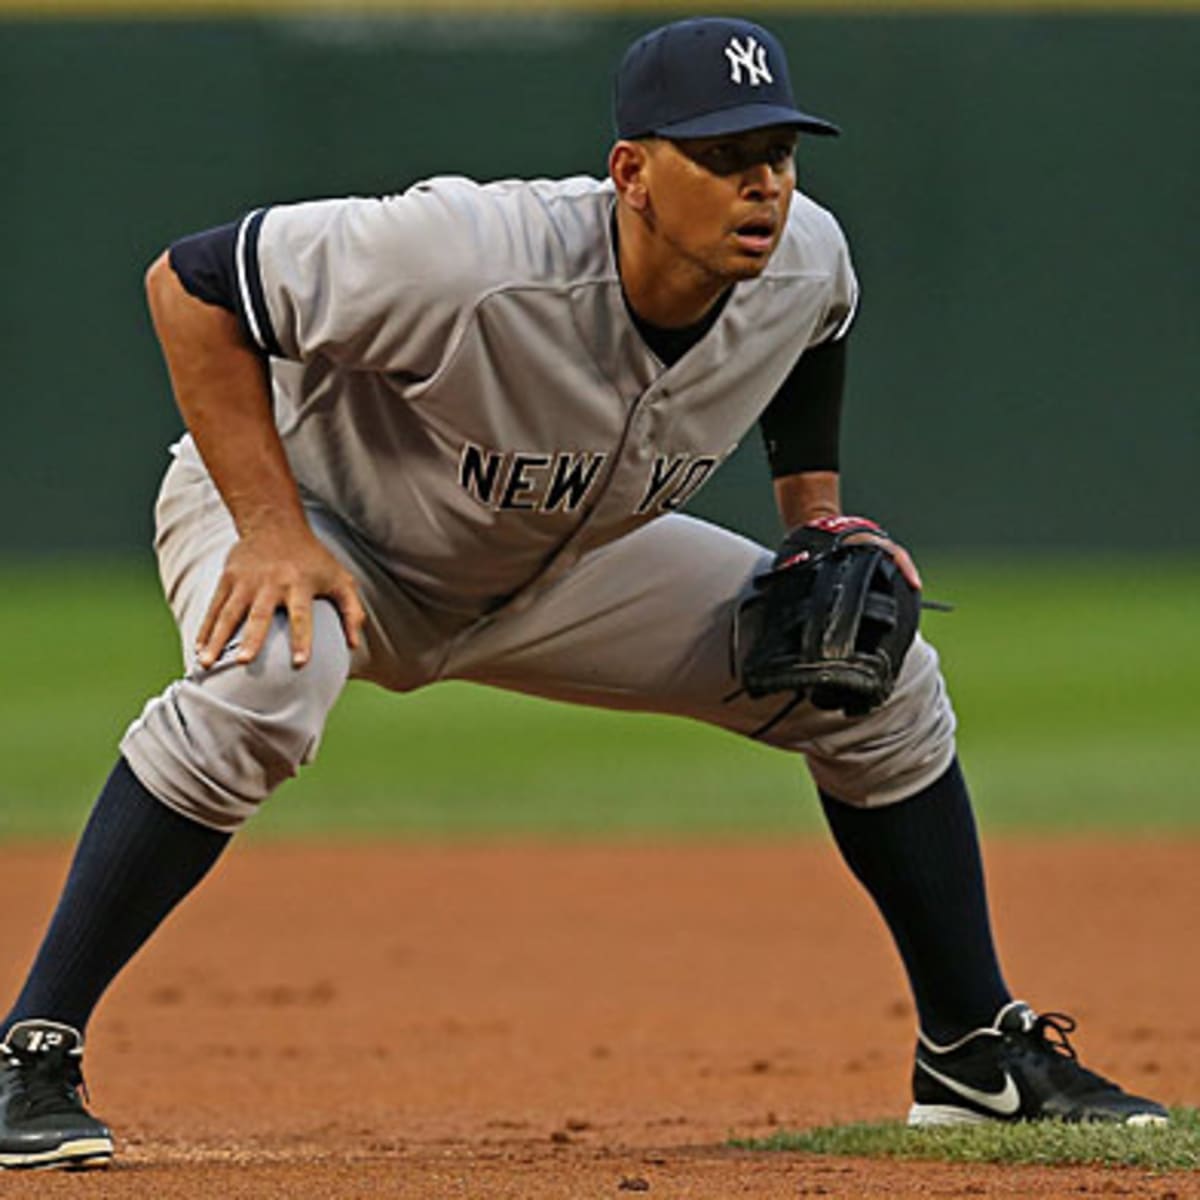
[[852, 586]]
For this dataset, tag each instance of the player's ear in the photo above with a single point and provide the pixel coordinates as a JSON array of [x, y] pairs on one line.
[[627, 165]]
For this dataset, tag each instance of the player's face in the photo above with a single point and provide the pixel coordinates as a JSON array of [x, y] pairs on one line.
[[721, 202]]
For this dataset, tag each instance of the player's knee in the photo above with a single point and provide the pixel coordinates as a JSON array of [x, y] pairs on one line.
[[286, 705], [895, 751], [216, 744]]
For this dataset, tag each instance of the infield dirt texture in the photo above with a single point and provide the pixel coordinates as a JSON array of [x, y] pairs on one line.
[[576, 1021]]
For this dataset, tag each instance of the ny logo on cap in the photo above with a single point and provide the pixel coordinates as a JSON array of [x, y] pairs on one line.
[[753, 57]]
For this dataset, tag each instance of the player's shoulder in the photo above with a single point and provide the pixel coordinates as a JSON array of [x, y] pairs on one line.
[[461, 190], [452, 234], [812, 241], [526, 230]]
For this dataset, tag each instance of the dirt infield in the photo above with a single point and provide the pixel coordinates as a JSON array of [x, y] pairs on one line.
[[578, 1021]]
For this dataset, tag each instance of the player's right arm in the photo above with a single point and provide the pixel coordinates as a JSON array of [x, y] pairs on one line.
[[366, 284], [221, 386]]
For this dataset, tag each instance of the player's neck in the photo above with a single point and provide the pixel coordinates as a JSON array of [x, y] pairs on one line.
[[662, 288]]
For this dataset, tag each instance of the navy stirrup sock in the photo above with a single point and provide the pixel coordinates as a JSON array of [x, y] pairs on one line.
[[920, 861], [135, 861]]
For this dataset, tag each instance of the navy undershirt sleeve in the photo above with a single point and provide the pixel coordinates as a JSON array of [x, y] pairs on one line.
[[801, 425], [220, 267], [205, 265]]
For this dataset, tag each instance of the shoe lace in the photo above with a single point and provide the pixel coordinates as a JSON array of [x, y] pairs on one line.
[[1061, 1025], [47, 1083], [1050, 1035]]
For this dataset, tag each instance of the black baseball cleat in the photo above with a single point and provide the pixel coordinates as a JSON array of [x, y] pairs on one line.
[[42, 1119], [1019, 1068]]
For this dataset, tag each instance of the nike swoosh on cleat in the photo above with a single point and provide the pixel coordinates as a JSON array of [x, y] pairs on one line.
[[1003, 1103]]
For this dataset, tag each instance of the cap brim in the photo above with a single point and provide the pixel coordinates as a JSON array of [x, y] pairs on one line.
[[747, 117]]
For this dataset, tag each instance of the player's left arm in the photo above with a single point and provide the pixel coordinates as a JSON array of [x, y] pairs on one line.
[[801, 429]]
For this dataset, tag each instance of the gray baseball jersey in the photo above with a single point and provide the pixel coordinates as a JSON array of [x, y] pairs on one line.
[[484, 439], [473, 397]]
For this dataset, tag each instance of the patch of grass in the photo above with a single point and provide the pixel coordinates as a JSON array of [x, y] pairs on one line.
[[1074, 688], [1175, 1147]]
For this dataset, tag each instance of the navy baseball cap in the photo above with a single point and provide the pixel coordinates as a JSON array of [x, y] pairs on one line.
[[704, 77]]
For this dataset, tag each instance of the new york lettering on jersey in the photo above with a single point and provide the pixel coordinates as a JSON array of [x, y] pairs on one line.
[[562, 481]]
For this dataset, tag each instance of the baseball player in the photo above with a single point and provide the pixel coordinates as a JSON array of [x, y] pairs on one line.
[[447, 435]]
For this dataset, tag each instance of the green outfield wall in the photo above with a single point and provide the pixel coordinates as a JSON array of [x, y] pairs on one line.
[[1021, 189]]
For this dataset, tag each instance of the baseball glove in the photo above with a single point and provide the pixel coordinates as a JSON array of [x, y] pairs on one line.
[[834, 619]]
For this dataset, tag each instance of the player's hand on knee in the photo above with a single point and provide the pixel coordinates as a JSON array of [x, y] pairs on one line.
[[267, 571]]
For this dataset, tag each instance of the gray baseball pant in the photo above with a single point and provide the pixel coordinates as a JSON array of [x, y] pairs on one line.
[[644, 623]]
